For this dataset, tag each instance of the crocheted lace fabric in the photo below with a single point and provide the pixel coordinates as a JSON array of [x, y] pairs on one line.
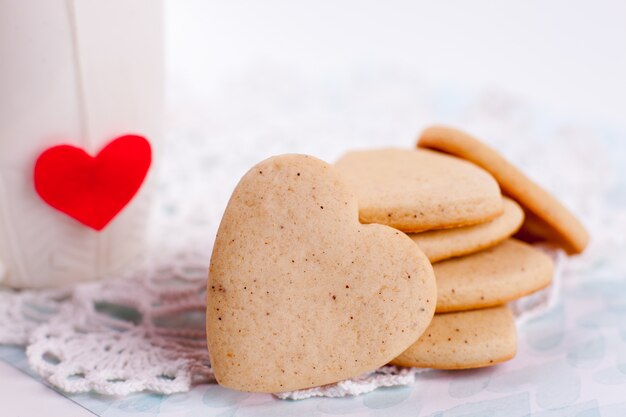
[[143, 329]]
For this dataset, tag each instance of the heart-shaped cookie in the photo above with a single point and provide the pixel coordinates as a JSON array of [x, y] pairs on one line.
[[546, 218], [301, 294]]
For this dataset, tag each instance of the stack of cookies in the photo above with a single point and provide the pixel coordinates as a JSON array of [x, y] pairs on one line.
[[405, 256]]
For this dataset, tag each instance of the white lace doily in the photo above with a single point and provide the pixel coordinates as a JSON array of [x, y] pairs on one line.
[[144, 329]]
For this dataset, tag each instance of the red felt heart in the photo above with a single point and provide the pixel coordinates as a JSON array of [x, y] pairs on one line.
[[93, 190]]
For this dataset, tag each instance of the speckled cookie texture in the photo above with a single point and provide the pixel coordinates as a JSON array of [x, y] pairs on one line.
[[418, 190], [553, 222], [448, 243], [491, 277], [469, 339], [301, 294]]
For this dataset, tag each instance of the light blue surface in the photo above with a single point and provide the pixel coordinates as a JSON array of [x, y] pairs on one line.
[[571, 361]]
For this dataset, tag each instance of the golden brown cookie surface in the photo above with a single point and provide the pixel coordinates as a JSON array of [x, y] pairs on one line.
[[418, 190], [557, 221], [468, 339], [448, 243], [491, 277], [300, 294]]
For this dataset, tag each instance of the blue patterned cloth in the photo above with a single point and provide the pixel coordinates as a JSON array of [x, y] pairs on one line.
[[571, 361]]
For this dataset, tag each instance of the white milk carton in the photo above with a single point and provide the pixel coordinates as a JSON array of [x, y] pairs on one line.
[[76, 72]]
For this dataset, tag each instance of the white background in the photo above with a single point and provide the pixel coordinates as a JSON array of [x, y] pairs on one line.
[[567, 56]]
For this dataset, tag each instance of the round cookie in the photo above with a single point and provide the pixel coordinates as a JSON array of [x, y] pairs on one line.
[[418, 190], [469, 339], [300, 294], [561, 225], [491, 277], [448, 243]]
